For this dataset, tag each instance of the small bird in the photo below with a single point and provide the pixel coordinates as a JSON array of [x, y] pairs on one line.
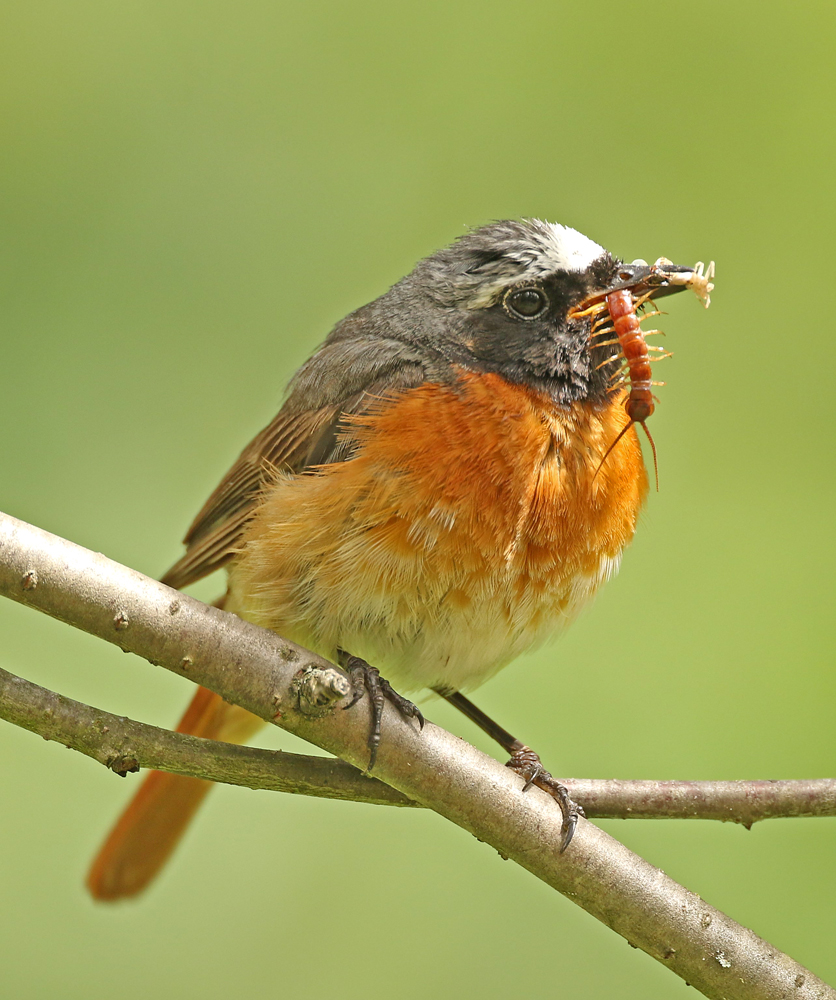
[[439, 493]]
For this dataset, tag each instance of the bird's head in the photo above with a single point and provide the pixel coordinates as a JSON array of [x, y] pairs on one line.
[[507, 297], [504, 298]]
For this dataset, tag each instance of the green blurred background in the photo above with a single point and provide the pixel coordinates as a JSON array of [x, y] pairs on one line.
[[193, 194]]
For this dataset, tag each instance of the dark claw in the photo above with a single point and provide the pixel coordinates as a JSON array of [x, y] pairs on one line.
[[358, 694], [367, 679], [527, 765]]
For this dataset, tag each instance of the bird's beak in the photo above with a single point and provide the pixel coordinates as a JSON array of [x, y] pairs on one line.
[[663, 278]]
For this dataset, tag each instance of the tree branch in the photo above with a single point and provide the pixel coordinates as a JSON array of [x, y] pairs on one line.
[[269, 676], [124, 745], [743, 802]]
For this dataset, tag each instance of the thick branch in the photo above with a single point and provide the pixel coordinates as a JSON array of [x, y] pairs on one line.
[[124, 745], [260, 671]]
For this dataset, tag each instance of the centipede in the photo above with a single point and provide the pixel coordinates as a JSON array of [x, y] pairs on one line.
[[618, 314], [640, 403]]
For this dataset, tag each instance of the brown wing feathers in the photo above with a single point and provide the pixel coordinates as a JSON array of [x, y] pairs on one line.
[[293, 442], [214, 533]]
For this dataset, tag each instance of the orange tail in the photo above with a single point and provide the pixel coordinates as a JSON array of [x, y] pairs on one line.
[[150, 827]]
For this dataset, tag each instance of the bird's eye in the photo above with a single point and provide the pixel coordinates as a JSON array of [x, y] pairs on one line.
[[526, 303]]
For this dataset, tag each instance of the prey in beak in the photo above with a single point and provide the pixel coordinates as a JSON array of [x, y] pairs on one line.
[[664, 278], [613, 314], [652, 281]]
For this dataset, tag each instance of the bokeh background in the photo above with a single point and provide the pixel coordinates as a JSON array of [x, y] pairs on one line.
[[193, 193]]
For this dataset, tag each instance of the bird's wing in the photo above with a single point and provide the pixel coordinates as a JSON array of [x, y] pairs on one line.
[[286, 444], [293, 442]]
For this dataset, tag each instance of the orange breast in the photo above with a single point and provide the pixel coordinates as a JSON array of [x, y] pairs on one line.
[[467, 528]]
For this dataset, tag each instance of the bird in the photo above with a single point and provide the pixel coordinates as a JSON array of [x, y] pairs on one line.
[[431, 500]]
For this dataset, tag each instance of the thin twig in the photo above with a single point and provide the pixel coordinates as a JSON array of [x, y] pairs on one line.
[[744, 802], [124, 745], [261, 672]]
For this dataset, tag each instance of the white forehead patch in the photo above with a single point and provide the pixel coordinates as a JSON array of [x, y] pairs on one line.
[[476, 270], [531, 249], [571, 250]]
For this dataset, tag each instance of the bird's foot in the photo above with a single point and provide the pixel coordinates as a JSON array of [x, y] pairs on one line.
[[365, 678], [528, 766]]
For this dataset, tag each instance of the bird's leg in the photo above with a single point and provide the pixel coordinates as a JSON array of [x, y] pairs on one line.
[[367, 679], [524, 761]]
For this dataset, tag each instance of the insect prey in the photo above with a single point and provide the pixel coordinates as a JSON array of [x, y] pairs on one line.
[[617, 314]]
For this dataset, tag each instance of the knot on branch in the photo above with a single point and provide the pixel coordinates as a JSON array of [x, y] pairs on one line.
[[122, 764], [121, 621], [318, 689]]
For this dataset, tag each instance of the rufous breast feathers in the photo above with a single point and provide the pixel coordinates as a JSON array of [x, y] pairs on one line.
[[468, 526]]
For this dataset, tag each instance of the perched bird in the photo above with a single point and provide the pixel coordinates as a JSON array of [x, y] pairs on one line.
[[432, 499]]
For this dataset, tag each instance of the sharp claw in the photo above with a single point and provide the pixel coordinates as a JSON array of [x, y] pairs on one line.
[[568, 831], [372, 756], [527, 764], [367, 679], [358, 694]]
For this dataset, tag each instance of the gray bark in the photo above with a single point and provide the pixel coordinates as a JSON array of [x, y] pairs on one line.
[[267, 675]]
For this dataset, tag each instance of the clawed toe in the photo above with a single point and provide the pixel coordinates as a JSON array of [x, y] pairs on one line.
[[528, 766], [367, 679]]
